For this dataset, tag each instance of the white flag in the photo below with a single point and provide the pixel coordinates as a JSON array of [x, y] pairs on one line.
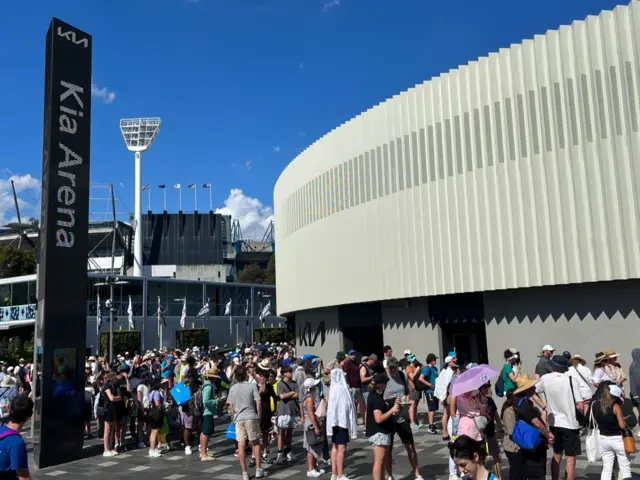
[[227, 308], [183, 317], [204, 311], [177, 185], [246, 308], [98, 315], [130, 313], [266, 311]]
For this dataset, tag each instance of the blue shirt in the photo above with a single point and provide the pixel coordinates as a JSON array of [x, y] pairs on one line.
[[430, 375], [13, 452], [165, 373]]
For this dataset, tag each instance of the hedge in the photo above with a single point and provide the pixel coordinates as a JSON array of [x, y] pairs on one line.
[[192, 337], [123, 341], [273, 335]]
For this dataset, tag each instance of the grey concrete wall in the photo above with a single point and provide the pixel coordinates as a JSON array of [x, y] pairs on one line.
[[408, 325], [584, 318], [311, 322]]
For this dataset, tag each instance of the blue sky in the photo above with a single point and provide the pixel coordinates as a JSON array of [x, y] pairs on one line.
[[242, 86]]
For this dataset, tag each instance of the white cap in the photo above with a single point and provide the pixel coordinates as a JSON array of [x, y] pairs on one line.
[[615, 391], [310, 382], [407, 352], [448, 359], [236, 360], [548, 348]]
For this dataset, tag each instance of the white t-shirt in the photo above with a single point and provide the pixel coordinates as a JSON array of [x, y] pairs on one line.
[[562, 409], [582, 375], [144, 391], [600, 376]]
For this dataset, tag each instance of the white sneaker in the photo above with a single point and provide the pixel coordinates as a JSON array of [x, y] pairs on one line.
[[291, 457], [187, 450], [280, 459], [419, 477], [108, 453], [334, 477], [245, 476], [154, 453], [261, 473], [315, 473]]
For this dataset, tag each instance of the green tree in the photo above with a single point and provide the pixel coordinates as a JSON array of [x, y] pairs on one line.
[[14, 262], [270, 272], [252, 273]]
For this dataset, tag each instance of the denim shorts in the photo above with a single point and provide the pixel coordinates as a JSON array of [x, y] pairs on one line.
[[381, 439]]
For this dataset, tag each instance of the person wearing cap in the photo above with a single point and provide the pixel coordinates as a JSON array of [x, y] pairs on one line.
[[543, 367], [288, 393], [380, 427], [520, 405], [580, 373], [352, 372], [413, 370], [210, 409], [404, 362], [428, 377], [313, 431], [366, 376], [608, 414], [565, 404], [441, 390], [398, 388]]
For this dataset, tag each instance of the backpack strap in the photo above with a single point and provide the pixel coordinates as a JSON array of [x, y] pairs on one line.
[[8, 433]]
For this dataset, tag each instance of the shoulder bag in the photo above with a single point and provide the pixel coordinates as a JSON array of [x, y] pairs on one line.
[[580, 416]]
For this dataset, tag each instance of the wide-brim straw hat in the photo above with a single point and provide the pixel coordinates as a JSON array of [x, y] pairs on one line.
[[524, 382], [212, 373], [578, 357], [611, 354]]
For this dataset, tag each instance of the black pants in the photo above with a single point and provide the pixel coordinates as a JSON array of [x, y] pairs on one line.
[[529, 466]]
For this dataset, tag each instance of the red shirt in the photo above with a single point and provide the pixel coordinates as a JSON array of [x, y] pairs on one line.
[[352, 372]]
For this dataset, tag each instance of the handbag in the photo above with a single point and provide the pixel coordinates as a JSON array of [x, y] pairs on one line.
[[321, 411], [312, 438], [629, 441], [594, 451], [580, 416], [231, 431]]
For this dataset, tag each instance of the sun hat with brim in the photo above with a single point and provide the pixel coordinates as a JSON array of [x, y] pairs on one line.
[[8, 382], [524, 382], [577, 356], [611, 354], [310, 382], [212, 373]]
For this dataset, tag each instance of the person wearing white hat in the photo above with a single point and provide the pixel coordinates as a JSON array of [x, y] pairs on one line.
[[544, 366], [608, 414], [581, 374], [313, 439]]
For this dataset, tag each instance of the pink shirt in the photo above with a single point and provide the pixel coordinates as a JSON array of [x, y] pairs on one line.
[[468, 409]]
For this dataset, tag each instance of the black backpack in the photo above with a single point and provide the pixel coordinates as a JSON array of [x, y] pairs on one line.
[[416, 381]]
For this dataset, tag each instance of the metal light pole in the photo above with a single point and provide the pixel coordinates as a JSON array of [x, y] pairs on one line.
[[138, 134]]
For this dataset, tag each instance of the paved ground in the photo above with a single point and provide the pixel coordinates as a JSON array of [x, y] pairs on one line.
[[432, 453]]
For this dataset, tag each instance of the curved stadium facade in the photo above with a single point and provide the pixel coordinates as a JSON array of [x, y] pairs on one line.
[[494, 206]]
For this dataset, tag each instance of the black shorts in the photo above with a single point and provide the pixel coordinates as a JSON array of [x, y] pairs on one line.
[[207, 425], [415, 395], [566, 441], [432, 402], [340, 436], [404, 433]]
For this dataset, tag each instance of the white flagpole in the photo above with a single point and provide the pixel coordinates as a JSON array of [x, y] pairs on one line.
[[149, 197], [165, 198], [195, 196], [211, 200], [180, 196]]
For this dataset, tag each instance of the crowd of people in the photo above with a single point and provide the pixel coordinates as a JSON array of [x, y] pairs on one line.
[[138, 400]]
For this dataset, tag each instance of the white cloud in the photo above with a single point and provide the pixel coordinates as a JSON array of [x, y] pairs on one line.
[[28, 202], [276, 149], [248, 164], [330, 4], [253, 215], [106, 95]]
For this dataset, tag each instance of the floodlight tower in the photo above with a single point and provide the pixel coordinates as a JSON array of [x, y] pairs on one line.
[[138, 134]]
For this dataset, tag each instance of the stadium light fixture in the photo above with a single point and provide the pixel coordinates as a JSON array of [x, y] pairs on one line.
[[138, 134]]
